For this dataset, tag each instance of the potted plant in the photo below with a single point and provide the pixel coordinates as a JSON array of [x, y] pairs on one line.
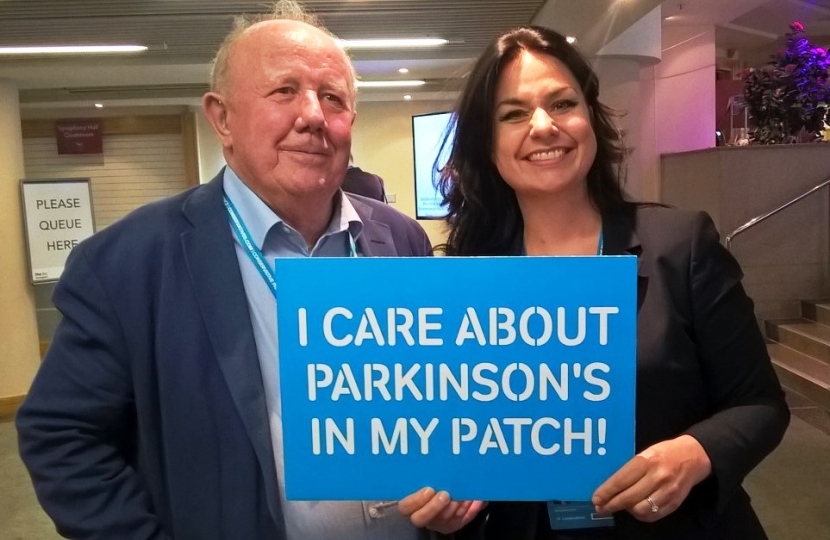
[[788, 98]]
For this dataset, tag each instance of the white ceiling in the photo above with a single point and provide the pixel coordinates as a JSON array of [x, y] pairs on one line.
[[751, 30], [182, 36]]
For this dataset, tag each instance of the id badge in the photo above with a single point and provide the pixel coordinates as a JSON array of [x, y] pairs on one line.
[[576, 515]]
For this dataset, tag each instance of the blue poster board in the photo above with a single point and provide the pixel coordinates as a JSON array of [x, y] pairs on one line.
[[505, 378]]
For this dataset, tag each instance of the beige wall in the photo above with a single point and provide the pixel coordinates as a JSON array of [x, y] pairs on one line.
[[19, 351], [382, 144]]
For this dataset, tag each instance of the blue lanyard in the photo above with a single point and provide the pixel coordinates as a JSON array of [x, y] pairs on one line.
[[254, 252]]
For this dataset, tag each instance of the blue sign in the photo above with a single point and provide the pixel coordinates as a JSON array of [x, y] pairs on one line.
[[505, 378]]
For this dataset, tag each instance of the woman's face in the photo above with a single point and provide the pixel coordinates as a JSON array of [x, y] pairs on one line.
[[544, 142]]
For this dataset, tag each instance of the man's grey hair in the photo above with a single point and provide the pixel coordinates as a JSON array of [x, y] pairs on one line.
[[283, 10]]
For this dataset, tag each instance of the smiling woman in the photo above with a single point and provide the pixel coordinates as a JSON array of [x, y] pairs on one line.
[[535, 169], [543, 140], [536, 128]]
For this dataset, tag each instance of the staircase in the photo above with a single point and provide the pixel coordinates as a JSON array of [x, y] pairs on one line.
[[800, 352]]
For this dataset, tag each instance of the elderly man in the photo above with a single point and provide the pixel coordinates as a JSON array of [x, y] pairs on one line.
[[156, 412]]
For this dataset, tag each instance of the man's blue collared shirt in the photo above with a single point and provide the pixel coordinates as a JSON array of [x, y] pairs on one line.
[[319, 520]]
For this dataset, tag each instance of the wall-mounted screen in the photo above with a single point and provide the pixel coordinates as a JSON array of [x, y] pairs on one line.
[[427, 135]]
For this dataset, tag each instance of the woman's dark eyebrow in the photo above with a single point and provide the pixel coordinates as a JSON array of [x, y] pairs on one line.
[[519, 102]]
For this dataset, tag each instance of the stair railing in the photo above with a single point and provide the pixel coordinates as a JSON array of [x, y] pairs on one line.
[[756, 220]]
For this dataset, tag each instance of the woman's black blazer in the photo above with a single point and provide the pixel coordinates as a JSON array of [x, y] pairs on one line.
[[702, 370]]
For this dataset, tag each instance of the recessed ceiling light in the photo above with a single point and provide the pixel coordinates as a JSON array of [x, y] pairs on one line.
[[73, 49], [407, 97], [403, 70], [391, 43], [99, 105], [388, 84]]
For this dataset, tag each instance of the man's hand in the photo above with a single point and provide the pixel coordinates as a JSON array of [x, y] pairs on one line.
[[656, 481], [437, 512]]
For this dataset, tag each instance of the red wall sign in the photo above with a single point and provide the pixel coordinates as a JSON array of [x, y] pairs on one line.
[[79, 137]]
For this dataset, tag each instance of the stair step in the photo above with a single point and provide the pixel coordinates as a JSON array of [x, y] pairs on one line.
[[804, 336], [816, 310], [807, 376]]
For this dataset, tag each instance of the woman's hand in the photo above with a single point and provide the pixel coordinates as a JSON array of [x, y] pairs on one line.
[[437, 512], [656, 481]]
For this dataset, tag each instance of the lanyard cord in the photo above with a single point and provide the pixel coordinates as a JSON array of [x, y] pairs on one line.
[[254, 252]]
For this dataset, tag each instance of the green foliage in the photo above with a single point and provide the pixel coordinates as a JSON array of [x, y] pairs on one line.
[[788, 98]]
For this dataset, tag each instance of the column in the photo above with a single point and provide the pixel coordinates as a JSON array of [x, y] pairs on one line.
[[620, 89], [619, 64], [19, 349]]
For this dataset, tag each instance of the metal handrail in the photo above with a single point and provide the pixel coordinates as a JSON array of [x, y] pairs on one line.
[[759, 219]]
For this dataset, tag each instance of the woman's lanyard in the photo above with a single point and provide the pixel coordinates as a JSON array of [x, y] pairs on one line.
[[254, 252], [600, 244]]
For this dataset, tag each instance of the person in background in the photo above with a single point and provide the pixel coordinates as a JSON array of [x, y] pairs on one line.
[[156, 414], [364, 183], [536, 170]]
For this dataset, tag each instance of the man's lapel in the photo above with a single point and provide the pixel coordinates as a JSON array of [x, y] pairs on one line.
[[214, 270], [376, 238]]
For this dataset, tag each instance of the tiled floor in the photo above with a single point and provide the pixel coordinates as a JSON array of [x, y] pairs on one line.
[[20, 515]]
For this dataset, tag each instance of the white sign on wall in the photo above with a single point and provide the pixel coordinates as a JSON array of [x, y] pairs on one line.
[[57, 215]]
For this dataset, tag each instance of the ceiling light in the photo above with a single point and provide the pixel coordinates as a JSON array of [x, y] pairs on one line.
[[391, 43], [73, 49], [407, 97], [388, 84], [403, 70], [99, 105]]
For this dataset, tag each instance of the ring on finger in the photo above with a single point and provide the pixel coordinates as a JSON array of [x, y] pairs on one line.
[[654, 507]]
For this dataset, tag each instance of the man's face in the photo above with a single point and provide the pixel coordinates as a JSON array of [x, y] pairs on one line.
[[289, 105]]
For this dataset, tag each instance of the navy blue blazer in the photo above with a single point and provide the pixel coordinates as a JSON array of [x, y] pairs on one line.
[[147, 418]]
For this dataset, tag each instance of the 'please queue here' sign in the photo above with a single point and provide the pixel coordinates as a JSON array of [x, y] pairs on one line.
[[57, 216], [505, 378]]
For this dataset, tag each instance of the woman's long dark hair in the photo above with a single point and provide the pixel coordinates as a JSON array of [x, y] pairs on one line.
[[484, 216]]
